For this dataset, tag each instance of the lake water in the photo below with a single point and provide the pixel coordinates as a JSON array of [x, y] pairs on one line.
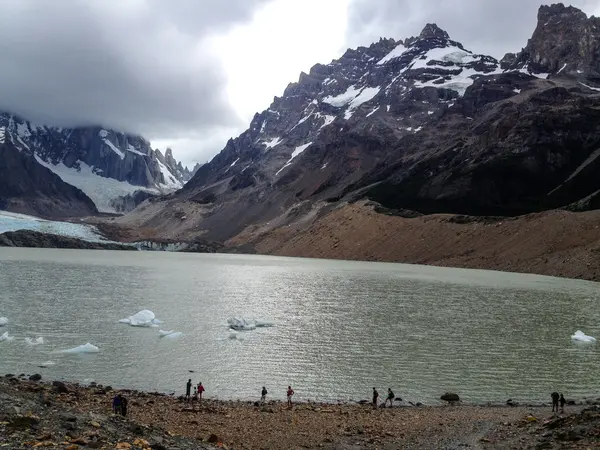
[[340, 327]]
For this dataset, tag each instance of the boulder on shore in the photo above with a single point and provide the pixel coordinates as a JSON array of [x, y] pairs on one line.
[[450, 397]]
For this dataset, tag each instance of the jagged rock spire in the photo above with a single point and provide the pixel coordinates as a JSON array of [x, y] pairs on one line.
[[431, 30]]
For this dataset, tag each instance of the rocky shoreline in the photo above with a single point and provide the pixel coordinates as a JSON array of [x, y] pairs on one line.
[[71, 416]]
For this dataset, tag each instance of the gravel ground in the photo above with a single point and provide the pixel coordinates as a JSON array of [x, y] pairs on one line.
[[70, 416]]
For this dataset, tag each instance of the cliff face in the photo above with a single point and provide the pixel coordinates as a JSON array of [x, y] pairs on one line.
[[420, 124], [29, 188]]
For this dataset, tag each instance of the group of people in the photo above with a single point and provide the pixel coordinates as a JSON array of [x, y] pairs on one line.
[[390, 398], [119, 404], [198, 390], [556, 399]]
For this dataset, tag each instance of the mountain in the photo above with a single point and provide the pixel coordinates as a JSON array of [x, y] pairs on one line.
[[410, 127], [116, 170], [27, 187]]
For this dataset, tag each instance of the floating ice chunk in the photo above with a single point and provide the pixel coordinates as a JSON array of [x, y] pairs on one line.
[[264, 323], [580, 336], [234, 335], [3, 321], [47, 364], [173, 335], [144, 318], [37, 341], [241, 324], [6, 338], [165, 333], [86, 348]]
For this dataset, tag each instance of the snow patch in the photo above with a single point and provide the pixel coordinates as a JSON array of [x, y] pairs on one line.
[[353, 97], [234, 163], [590, 87], [100, 189], [562, 68], [328, 119], [396, 53], [171, 183], [131, 148], [272, 143], [373, 112], [2, 134], [517, 91], [295, 153], [114, 148]]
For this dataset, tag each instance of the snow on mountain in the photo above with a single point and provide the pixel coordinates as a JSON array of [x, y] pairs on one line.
[[115, 170]]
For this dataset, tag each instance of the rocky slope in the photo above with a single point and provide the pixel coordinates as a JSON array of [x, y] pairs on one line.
[[116, 170], [27, 187], [421, 124]]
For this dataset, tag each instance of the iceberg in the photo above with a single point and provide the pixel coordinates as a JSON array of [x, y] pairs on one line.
[[234, 335], [165, 333], [173, 335], [580, 336], [86, 348], [240, 324], [6, 338], [38, 341], [144, 318], [3, 321]]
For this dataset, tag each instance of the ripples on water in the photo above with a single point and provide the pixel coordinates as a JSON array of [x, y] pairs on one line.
[[342, 327]]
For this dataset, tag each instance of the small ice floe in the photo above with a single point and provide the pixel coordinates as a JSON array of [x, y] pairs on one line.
[[86, 348], [37, 341], [3, 321], [6, 338], [580, 336], [165, 333], [239, 324], [235, 336], [144, 318], [46, 364], [172, 335]]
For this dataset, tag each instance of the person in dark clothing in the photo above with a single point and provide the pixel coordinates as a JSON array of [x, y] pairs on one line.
[[562, 403], [375, 397], [116, 404], [390, 397], [188, 390], [124, 406], [263, 395], [555, 398]]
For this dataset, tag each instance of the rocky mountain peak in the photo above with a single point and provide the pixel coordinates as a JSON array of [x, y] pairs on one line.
[[431, 30], [565, 41]]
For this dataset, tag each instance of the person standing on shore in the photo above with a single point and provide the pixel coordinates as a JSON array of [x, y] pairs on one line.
[[116, 404], [555, 398], [124, 406], [290, 393], [188, 390], [390, 398], [562, 403], [375, 397], [263, 395], [200, 391]]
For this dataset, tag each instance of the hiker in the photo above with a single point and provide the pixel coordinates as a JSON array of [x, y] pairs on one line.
[[263, 395], [116, 404], [375, 397], [188, 390], [562, 403], [555, 398], [200, 391], [390, 398], [290, 392], [124, 406]]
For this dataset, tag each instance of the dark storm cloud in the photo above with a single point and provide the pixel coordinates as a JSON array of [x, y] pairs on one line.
[[493, 27], [136, 65]]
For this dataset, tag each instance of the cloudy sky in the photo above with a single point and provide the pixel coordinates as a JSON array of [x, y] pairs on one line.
[[191, 73]]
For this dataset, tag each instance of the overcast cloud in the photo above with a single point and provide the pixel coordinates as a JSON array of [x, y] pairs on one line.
[[493, 27], [138, 65]]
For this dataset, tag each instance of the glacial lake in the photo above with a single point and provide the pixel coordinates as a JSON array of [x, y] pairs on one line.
[[340, 327]]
